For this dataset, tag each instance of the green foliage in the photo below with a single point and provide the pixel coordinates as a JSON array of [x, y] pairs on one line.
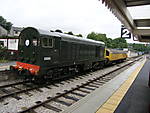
[[8, 26], [3, 53], [70, 33], [3, 61], [140, 47], [110, 43], [2, 49], [97, 36], [119, 43], [79, 35], [59, 31], [5, 24]]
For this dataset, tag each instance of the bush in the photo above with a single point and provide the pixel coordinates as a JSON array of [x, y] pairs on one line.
[[3, 53]]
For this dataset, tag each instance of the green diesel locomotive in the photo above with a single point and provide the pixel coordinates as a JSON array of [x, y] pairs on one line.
[[55, 55]]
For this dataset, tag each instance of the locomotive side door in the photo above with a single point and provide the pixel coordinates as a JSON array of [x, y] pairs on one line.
[[50, 50], [56, 50]]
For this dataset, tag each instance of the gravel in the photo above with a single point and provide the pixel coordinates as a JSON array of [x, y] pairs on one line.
[[12, 105]]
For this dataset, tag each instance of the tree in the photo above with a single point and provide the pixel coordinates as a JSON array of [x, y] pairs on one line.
[[97, 36], [5, 24], [79, 35], [3, 52], [59, 31], [8, 26], [70, 33], [110, 43], [119, 43], [140, 47]]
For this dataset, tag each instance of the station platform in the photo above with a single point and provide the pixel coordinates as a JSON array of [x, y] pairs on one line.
[[137, 98], [126, 93], [5, 66]]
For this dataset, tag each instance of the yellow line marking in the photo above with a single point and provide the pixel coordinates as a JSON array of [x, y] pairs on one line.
[[111, 104], [103, 110]]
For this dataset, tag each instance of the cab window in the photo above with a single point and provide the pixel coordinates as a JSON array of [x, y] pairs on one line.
[[107, 53], [35, 42], [47, 42]]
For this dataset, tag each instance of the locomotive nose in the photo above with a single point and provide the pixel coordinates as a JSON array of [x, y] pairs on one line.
[[28, 45]]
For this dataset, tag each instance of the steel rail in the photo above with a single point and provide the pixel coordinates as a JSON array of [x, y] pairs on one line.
[[73, 89]]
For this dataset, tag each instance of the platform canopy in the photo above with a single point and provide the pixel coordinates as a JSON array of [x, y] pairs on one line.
[[140, 27]]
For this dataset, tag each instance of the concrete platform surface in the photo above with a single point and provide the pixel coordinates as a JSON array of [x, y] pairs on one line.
[[137, 99], [92, 102]]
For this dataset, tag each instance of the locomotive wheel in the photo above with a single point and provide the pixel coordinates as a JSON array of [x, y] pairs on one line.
[[27, 75], [21, 72], [12, 69], [50, 74]]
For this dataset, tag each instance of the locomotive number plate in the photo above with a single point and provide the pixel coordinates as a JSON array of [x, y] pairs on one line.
[[47, 58]]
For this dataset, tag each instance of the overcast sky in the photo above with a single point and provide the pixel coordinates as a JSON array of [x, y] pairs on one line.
[[78, 16]]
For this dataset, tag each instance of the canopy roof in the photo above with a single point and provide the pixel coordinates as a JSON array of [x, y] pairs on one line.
[[140, 27]]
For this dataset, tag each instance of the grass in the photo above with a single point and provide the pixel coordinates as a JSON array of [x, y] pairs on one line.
[[3, 61]]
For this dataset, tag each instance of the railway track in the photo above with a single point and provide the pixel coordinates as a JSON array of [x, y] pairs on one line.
[[69, 97], [5, 89], [4, 72], [12, 84], [6, 75]]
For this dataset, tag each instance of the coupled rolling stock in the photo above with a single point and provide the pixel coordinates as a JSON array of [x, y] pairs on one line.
[[54, 55], [115, 56]]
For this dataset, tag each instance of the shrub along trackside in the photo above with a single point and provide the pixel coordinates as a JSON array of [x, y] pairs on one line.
[[2, 54], [5, 55]]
